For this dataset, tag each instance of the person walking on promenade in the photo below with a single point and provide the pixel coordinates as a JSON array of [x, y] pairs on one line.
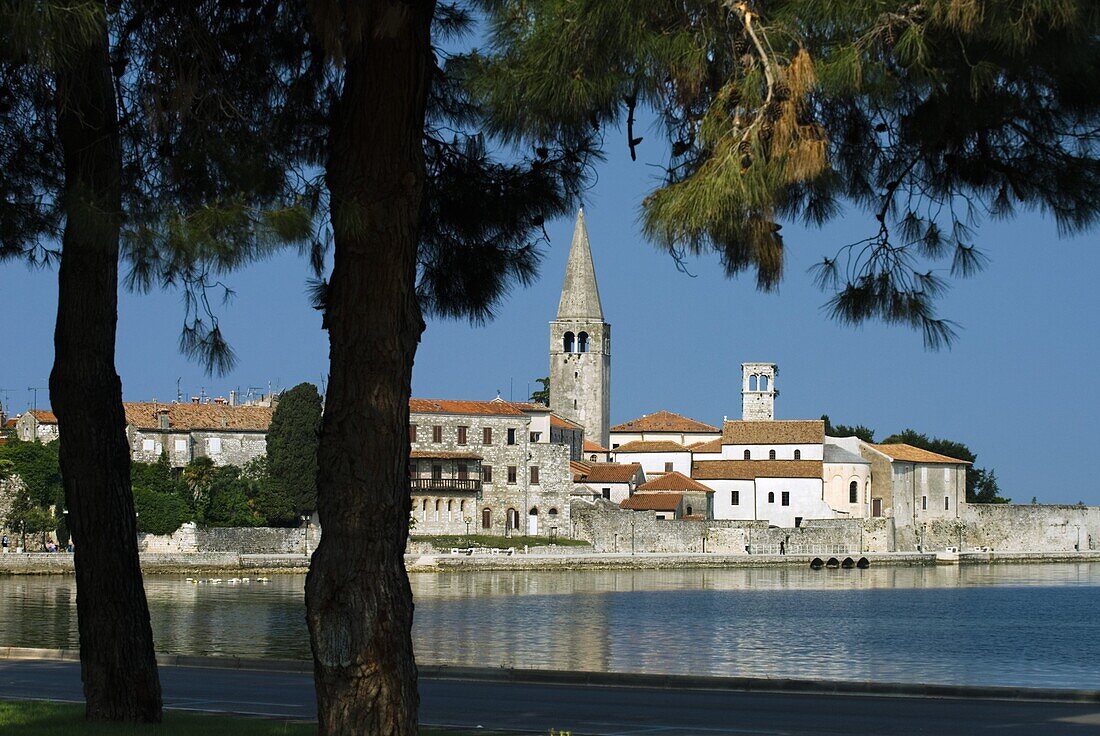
[[4, 543]]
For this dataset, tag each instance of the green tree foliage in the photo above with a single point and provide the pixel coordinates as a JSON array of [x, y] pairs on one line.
[[981, 484], [843, 430], [292, 442], [928, 115], [159, 497], [226, 501], [541, 395], [38, 469]]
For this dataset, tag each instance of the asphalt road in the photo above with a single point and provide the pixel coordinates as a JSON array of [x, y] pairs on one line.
[[586, 709]]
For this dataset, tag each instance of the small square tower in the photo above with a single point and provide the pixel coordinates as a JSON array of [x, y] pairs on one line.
[[758, 391]]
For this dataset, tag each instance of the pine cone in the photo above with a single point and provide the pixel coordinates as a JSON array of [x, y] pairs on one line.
[[740, 47], [772, 111], [745, 146], [782, 92], [746, 161]]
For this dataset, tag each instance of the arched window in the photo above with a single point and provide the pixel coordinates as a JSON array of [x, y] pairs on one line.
[[462, 506], [853, 492], [748, 455], [688, 511], [567, 342], [593, 458], [534, 511], [486, 518], [771, 496], [553, 512], [763, 383], [424, 507], [438, 506], [752, 382], [450, 510], [582, 342], [771, 454], [511, 519], [798, 454]]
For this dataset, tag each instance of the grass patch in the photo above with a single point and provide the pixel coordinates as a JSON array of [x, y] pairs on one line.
[[43, 718], [446, 541]]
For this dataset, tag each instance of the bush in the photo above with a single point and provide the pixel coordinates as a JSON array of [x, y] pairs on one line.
[[159, 513]]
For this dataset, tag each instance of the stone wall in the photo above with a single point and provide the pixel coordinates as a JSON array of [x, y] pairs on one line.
[[1037, 528], [611, 529], [189, 539]]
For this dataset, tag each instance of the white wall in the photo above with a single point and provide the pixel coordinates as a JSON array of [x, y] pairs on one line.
[[812, 451], [654, 462], [680, 438], [723, 506], [619, 491], [805, 500], [838, 479]]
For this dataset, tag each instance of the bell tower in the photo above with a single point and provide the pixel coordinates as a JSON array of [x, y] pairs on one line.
[[580, 346], [758, 391]]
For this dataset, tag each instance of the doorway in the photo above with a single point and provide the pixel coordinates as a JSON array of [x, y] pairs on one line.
[[533, 522]]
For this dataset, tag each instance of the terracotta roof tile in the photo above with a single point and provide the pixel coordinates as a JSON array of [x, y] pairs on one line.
[[652, 502], [774, 432], [673, 481], [452, 406], [651, 446], [910, 454], [441, 455], [590, 446], [10, 423], [43, 416], [525, 405], [753, 469], [663, 421], [714, 445], [579, 469], [145, 415], [611, 473], [563, 423]]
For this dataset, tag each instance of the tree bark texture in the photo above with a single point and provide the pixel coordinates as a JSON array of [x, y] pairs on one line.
[[358, 600], [117, 662]]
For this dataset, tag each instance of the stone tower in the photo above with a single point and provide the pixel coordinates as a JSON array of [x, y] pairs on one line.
[[758, 391], [580, 346]]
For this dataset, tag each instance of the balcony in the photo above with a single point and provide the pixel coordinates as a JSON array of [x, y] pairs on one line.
[[446, 485]]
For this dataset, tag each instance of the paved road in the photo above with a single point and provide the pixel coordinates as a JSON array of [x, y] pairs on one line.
[[600, 711]]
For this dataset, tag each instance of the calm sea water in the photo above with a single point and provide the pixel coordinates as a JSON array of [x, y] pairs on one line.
[[1032, 625]]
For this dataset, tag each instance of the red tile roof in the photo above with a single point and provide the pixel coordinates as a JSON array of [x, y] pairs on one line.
[[651, 446], [526, 405], [563, 423], [753, 469], [590, 446], [452, 406], [774, 432], [672, 481], [910, 454], [611, 473], [579, 468], [712, 446], [663, 421], [652, 502], [12, 422], [43, 416], [146, 415]]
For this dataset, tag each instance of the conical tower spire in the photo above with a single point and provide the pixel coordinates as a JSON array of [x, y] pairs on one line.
[[580, 296]]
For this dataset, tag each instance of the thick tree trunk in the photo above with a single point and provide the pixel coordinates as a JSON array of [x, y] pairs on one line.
[[116, 641], [358, 599]]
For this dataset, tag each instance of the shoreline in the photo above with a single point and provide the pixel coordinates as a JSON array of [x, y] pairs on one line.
[[44, 563]]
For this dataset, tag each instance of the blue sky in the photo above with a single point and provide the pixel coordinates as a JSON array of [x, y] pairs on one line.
[[1021, 386]]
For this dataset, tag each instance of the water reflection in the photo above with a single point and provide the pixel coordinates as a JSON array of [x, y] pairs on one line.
[[1003, 624]]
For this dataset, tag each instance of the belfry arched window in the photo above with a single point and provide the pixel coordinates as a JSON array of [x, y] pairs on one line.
[[748, 454], [567, 342], [763, 383], [752, 382], [853, 492], [771, 454], [771, 496], [582, 342], [798, 454]]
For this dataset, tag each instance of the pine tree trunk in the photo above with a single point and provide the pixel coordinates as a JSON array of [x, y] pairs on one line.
[[117, 662], [358, 600]]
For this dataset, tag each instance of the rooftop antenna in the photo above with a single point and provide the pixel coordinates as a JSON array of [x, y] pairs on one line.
[[5, 393], [509, 389], [34, 390]]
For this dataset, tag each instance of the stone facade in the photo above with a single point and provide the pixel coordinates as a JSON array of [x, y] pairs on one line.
[[521, 486], [223, 447], [915, 492], [189, 539], [36, 425], [758, 391]]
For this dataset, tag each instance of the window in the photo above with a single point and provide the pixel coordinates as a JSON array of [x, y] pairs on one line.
[[463, 471], [553, 512], [752, 383], [748, 455], [786, 498], [688, 511], [735, 498], [147, 445], [592, 458], [511, 473], [437, 472], [853, 492], [534, 475], [615, 446], [412, 469], [438, 504], [668, 467], [947, 476], [582, 342], [771, 454], [797, 521], [798, 454], [607, 493], [450, 506], [462, 506], [511, 435], [487, 436], [437, 434], [462, 431], [771, 496], [924, 475], [214, 444], [763, 383], [181, 445], [412, 433], [486, 518], [924, 503], [487, 473], [946, 503], [535, 436], [567, 342]]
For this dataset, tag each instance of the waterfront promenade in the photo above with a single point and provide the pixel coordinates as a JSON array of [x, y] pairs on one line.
[[513, 705]]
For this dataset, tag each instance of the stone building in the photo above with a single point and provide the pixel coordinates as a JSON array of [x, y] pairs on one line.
[[847, 476], [693, 500], [655, 456], [580, 346], [915, 486], [663, 426], [487, 464], [610, 481], [758, 391], [36, 425], [227, 434]]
